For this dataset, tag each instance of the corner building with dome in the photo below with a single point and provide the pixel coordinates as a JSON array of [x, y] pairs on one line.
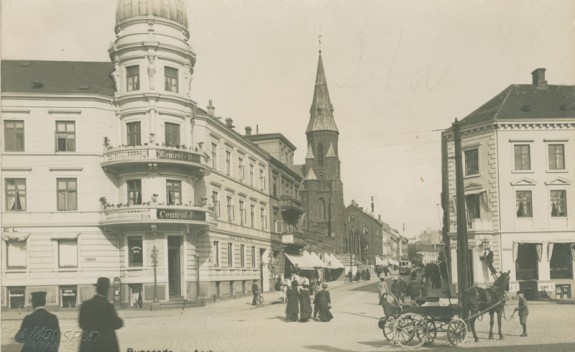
[[112, 169]]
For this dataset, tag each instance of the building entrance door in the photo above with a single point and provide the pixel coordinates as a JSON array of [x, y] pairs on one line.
[[174, 266]]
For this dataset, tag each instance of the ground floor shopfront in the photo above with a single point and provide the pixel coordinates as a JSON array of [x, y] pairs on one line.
[[163, 263], [541, 264]]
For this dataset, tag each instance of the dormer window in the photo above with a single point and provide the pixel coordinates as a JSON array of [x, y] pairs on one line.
[[171, 79]]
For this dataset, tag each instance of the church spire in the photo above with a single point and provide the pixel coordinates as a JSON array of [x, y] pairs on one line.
[[321, 112]]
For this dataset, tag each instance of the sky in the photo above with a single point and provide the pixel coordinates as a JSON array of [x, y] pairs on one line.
[[398, 73]]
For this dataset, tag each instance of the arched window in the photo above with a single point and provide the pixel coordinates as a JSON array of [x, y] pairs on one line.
[[321, 209], [320, 154]]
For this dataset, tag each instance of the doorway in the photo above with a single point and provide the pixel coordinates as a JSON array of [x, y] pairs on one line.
[[174, 266]]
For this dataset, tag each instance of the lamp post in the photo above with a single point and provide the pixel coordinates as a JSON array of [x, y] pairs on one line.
[[155, 303]]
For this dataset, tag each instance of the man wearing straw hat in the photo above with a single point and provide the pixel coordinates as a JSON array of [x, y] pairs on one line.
[[99, 320], [40, 330]]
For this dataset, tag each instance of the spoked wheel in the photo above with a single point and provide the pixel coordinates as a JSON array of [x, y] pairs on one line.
[[410, 330], [260, 301], [456, 331], [387, 325], [431, 331]]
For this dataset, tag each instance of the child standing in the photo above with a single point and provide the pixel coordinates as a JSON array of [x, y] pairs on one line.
[[523, 312]]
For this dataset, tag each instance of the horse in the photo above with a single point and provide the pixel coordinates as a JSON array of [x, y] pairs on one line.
[[476, 299]]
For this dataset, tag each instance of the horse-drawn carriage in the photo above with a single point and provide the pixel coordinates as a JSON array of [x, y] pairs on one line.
[[412, 324]]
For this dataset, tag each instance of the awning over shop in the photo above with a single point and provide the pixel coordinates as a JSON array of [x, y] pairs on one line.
[[380, 261], [393, 262], [333, 262], [301, 261], [317, 263]]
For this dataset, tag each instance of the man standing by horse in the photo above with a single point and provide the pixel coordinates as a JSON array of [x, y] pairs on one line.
[[523, 312]]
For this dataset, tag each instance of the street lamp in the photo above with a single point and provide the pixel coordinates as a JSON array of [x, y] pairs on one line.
[[155, 303]]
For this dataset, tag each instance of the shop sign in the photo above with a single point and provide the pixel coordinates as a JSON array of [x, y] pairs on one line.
[[69, 293], [546, 286], [180, 214], [178, 155]]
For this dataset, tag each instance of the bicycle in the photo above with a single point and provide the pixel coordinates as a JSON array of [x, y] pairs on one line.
[[259, 300]]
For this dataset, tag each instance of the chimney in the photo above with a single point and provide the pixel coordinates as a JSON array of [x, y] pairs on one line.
[[372, 206], [248, 131], [539, 78], [211, 109], [229, 122], [361, 209]]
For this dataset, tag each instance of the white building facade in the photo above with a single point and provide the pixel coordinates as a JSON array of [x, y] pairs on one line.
[[111, 169], [519, 193]]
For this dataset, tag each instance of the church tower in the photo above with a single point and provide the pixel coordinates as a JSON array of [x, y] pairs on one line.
[[322, 191]]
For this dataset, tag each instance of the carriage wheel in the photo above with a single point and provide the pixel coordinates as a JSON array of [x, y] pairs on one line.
[[431, 331], [387, 325], [456, 331], [410, 330]]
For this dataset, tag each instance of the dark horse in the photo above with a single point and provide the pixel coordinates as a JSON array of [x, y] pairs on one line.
[[492, 299]]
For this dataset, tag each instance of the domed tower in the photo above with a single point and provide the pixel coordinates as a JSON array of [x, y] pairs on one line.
[[153, 159], [153, 64]]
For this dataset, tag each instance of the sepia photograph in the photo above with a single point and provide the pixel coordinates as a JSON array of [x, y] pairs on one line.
[[287, 175]]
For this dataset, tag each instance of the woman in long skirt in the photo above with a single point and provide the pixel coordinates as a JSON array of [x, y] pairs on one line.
[[292, 307], [305, 304]]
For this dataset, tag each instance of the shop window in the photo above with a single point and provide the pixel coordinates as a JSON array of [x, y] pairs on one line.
[[68, 296], [135, 251], [561, 263], [16, 297]]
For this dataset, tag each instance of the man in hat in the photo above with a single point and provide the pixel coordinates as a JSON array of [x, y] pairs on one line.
[[323, 300], [40, 330], [523, 312], [395, 290], [99, 321]]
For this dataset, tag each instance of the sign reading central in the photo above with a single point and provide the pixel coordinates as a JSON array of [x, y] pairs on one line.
[[180, 214]]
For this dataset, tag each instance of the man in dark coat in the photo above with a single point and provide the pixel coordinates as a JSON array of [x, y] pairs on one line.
[[255, 292], [292, 306], [40, 330], [523, 312], [323, 300], [98, 320]]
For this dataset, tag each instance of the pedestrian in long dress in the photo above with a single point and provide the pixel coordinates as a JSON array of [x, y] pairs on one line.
[[304, 304], [323, 300], [292, 307]]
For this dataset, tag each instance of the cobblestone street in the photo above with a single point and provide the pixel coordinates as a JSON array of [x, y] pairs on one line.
[[234, 325]]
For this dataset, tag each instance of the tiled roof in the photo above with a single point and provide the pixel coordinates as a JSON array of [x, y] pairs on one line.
[[62, 77], [526, 102]]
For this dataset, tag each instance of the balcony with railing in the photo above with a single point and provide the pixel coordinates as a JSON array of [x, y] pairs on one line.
[[124, 158], [155, 214]]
